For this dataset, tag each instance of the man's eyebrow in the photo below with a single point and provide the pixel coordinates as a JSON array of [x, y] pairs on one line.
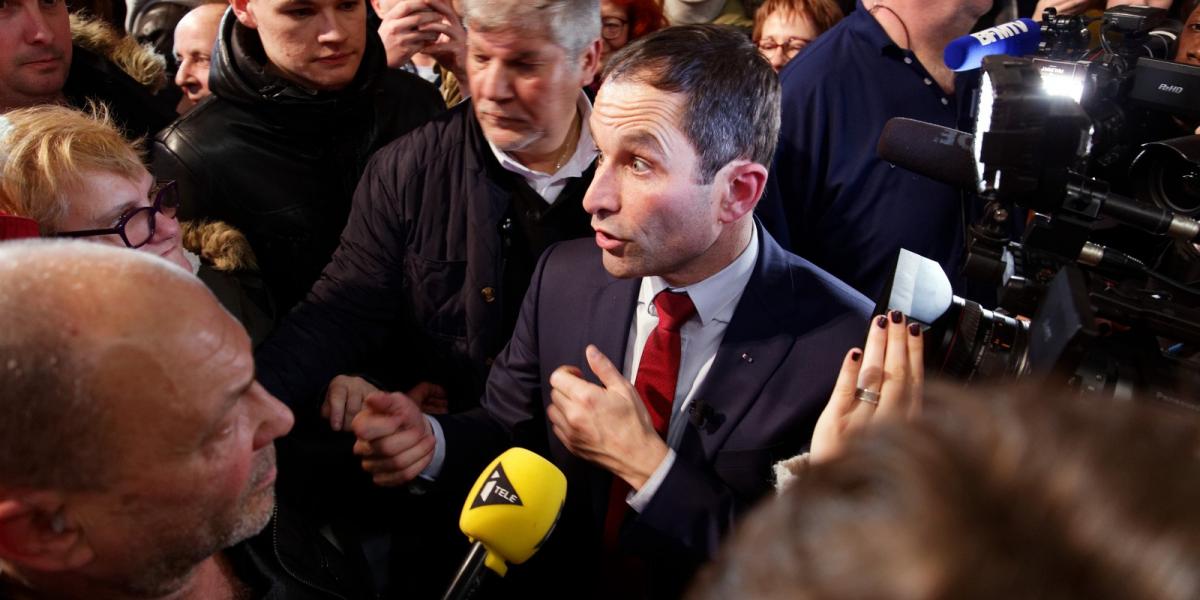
[[644, 140], [524, 56]]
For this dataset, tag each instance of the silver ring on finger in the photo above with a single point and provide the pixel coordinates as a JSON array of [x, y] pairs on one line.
[[868, 396]]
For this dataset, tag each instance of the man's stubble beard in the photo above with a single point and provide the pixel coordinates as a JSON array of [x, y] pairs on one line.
[[181, 552]]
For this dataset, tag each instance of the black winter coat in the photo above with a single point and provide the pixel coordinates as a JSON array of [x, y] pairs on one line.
[[280, 162], [431, 261]]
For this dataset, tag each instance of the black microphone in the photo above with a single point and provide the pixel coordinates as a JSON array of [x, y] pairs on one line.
[[939, 153], [704, 417], [945, 155]]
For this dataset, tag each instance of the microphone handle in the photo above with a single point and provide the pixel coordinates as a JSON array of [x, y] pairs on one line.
[[466, 581]]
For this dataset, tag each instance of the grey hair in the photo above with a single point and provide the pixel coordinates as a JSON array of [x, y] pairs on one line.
[[572, 24]]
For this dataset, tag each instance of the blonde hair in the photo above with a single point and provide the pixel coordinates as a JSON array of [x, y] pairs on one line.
[[47, 151]]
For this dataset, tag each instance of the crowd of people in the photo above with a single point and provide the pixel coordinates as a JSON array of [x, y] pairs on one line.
[[642, 238]]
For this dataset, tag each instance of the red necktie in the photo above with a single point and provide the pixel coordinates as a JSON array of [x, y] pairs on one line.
[[657, 374]]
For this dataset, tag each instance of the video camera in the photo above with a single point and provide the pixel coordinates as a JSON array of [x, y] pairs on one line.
[[1100, 292], [1127, 83]]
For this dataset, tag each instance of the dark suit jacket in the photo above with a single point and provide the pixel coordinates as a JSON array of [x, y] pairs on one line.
[[769, 382]]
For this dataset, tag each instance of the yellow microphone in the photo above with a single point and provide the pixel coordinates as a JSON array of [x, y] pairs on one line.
[[511, 510]]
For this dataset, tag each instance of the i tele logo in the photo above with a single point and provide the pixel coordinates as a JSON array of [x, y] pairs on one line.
[[497, 490]]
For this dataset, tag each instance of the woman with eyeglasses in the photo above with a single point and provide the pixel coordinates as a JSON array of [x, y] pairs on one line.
[[622, 21], [782, 28], [75, 175]]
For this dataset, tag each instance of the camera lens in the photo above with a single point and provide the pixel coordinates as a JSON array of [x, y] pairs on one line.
[[970, 342]]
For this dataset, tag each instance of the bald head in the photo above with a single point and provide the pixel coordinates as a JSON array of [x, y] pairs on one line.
[[195, 36], [71, 311]]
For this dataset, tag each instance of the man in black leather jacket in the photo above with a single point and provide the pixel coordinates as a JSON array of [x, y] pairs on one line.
[[302, 98]]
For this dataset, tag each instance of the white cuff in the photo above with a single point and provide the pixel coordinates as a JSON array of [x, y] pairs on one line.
[[434, 468], [639, 499]]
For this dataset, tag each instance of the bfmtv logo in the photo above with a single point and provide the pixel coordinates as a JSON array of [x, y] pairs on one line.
[[995, 34]]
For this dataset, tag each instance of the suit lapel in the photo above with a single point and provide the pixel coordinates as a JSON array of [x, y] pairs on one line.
[[608, 319], [756, 342]]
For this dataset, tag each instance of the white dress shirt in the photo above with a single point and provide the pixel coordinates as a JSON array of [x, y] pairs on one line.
[[716, 299], [550, 185]]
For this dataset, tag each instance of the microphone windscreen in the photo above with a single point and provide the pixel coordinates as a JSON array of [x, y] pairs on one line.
[[920, 288], [513, 507], [939, 153], [1016, 38]]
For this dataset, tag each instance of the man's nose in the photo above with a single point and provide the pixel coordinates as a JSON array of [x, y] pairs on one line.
[[185, 71], [333, 30], [277, 418], [602, 197], [496, 83], [37, 28]]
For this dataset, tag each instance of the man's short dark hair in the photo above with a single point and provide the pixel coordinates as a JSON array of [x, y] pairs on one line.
[[731, 106]]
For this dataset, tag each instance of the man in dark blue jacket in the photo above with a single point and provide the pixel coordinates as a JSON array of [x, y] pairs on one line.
[[848, 210], [665, 364]]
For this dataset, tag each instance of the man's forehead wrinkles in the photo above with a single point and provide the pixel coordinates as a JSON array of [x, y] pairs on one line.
[[635, 120]]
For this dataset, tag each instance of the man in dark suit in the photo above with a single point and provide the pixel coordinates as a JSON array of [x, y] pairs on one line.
[[732, 343]]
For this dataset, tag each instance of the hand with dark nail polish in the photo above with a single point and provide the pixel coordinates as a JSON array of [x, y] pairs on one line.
[[881, 381]]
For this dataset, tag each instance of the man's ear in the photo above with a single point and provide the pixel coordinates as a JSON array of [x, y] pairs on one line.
[[590, 63], [37, 534], [244, 13], [377, 6], [742, 183]]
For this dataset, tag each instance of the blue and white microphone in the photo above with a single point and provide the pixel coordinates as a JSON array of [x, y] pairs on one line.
[[1017, 38]]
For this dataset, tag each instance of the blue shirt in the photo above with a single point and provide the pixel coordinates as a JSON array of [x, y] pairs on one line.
[[846, 209]]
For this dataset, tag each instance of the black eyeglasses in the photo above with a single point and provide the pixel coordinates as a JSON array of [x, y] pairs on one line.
[[611, 27], [136, 227]]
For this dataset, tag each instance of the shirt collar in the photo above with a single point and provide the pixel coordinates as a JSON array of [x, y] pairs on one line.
[[716, 297], [585, 150], [863, 23]]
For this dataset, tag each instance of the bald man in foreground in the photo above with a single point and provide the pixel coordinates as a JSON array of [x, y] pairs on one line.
[[136, 446]]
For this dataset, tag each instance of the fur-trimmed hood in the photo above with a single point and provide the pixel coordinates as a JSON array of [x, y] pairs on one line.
[[219, 244], [140, 63]]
